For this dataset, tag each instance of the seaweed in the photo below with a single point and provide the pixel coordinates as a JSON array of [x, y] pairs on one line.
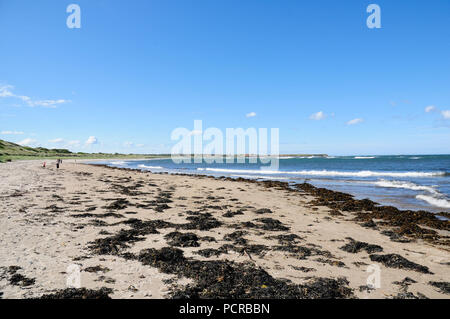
[[97, 268], [443, 287], [201, 221], [118, 204], [397, 261], [285, 239], [356, 246], [182, 239], [79, 293], [21, 280], [331, 262], [230, 213], [263, 211], [208, 252], [236, 237], [266, 224]]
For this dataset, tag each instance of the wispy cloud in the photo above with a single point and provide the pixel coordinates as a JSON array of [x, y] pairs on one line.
[[251, 114], [28, 142], [355, 121], [11, 132], [73, 143], [317, 116], [92, 140], [56, 140], [446, 114], [430, 108], [6, 91]]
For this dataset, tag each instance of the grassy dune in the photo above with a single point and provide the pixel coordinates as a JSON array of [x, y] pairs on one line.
[[10, 151]]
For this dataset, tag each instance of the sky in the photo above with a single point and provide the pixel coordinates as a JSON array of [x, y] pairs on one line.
[[137, 70]]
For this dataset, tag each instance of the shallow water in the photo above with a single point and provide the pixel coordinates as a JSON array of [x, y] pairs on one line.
[[408, 181]]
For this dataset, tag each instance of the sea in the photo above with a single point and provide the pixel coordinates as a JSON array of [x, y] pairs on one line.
[[413, 182]]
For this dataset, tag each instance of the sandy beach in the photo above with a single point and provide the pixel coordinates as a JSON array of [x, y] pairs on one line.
[[134, 234]]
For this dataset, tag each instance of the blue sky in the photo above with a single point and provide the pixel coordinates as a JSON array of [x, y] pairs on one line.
[[136, 70]]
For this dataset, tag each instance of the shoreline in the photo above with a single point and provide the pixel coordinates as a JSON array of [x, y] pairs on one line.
[[436, 210], [124, 224]]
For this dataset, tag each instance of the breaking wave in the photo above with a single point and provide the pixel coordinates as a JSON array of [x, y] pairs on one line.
[[405, 185], [119, 163], [438, 202], [325, 172], [149, 167]]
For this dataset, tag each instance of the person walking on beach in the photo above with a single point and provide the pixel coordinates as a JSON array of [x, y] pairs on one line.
[[57, 163]]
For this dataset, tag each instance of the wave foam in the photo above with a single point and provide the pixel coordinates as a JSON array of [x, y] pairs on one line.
[[325, 172], [259, 177], [149, 167], [364, 157], [405, 185], [119, 163], [438, 202]]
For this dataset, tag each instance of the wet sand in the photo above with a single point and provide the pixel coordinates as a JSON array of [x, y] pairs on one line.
[[144, 235]]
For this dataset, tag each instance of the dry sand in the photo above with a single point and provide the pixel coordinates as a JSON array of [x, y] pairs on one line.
[[39, 233]]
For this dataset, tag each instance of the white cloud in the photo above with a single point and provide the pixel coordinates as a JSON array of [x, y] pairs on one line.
[[355, 121], [6, 91], [73, 143], [430, 108], [317, 116], [11, 133], [140, 145], [446, 114], [92, 140], [128, 144], [56, 140], [47, 103], [28, 142], [251, 114]]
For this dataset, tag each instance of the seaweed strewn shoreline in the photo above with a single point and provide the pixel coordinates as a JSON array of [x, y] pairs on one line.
[[136, 234]]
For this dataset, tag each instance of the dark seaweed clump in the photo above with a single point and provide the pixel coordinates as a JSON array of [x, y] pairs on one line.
[[21, 280], [299, 252], [208, 252], [15, 278], [356, 246], [230, 213], [263, 211], [118, 204], [97, 268], [397, 261], [405, 221], [80, 293], [201, 221], [443, 287], [226, 279], [182, 239], [113, 245], [236, 237], [266, 224], [285, 239]]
